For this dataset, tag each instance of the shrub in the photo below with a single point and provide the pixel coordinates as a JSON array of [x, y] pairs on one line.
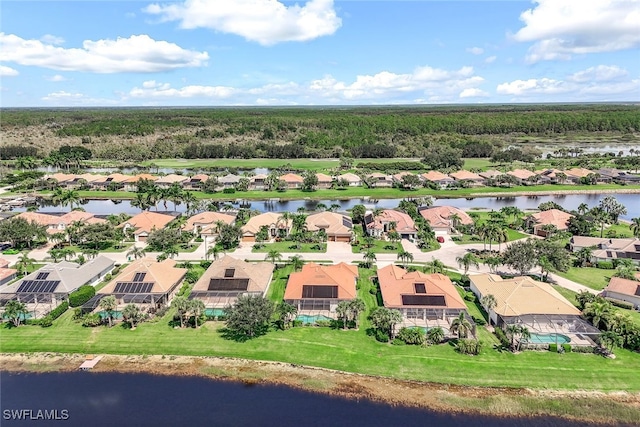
[[81, 295], [468, 346], [381, 336], [46, 321], [373, 290], [502, 337], [297, 323], [57, 312], [92, 320], [553, 348], [323, 323], [108, 277], [77, 314], [619, 303], [582, 349], [479, 321], [566, 348], [229, 190], [411, 336], [162, 311], [397, 341], [605, 265], [470, 296]]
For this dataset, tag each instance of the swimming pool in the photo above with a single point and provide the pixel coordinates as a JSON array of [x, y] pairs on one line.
[[210, 312], [309, 319], [114, 314], [551, 338]]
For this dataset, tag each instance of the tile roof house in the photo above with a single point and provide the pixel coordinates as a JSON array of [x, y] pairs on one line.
[[389, 220], [425, 300], [439, 218], [623, 290], [535, 305], [6, 274], [617, 175], [272, 220], [317, 289], [522, 175], [380, 180], [131, 184], [229, 181], [464, 175], [116, 180], [85, 179], [144, 223], [44, 289], [206, 223], [195, 182], [228, 278], [145, 282], [324, 181], [606, 249], [62, 178], [258, 182], [292, 180], [352, 179], [576, 174], [168, 180], [438, 178], [338, 227], [556, 217], [490, 174], [59, 223]]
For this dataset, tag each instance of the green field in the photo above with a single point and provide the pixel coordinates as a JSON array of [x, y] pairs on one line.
[[594, 278]]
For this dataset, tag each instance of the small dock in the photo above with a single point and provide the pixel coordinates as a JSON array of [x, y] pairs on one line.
[[90, 363]]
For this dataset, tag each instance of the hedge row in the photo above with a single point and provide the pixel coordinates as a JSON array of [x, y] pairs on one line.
[[81, 295], [619, 303]]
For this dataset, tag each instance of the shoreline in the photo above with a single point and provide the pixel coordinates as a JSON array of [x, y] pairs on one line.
[[498, 401]]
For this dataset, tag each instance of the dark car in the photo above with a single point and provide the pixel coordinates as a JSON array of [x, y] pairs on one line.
[[4, 246], [440, 239]]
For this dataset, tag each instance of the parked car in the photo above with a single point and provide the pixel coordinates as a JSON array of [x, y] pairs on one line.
[[440, 239], [4, 246]]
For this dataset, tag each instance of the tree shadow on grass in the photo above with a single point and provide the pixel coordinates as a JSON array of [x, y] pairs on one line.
[[238, 336]]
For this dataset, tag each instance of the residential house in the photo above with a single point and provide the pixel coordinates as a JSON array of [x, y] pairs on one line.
[[552, 176], [132, 183], [524, 177], [351, 179], [324, 181], [389, 220], [229, 181], [46, 288], [144, 223], [145, 282], [205, 224], [317, 289], [338, 227], [575, 175], [292, 180], [85, 180], [539, 221], [168, 180], [440, 218], [605, 249], [274, 222], [438, 178], [114, 181], [6, 274], [473, 179], [490, 174], [522, 301], [62, 178], [624, 290], [380, 180], [195, 182], [59, 223], [228, 278], [617, 175], [258, 182], [425, 300]]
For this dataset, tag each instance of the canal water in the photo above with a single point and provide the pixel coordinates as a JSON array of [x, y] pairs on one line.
[[112, 399]]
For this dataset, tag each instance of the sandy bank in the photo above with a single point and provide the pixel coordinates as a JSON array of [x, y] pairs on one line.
[[508, 402]]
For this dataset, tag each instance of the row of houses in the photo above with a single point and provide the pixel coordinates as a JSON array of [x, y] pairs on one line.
[[324, 181]]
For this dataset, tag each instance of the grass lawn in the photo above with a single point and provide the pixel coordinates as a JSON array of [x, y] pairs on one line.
[[279, 283], [379, 246], [110, 249], [621, 231], [594, 278], [484, 216], [289, 247]]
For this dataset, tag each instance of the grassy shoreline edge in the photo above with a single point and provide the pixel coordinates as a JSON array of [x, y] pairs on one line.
[[592, 407]]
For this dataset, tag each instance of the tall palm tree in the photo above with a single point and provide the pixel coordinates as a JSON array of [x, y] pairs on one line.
[[635, 226], [132, 314], [136, 252], [369, 258], [286, 313], [24, 263], [196, 307], [468, 260], [357, 306], [455, 221], [343, 310], [460, 325], [297, 262], [214, 251], [583, 208], [598, 312], [488, 302], [109, 304], [274, 256], [405, 257], [434, 266]]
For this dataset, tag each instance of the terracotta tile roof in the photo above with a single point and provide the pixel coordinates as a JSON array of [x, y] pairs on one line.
[[229, 179], [270, 219], [333, 223], [172, 178], [207, 219], [578, 172], [438, 216], [404, 223], [521, 174], [552, 217], [341, 275], [292, 177], [436, 176], [464, 174], [164, 275], [142, 176], [396, 282], [7, 272], [400, 175], [258, 273], [89, 177], [490, 174], [324, 178], [4, 263], [62, 177], [114, 177], [39, 218], [624, 286], [522, 295], [147, 221], [351, 177]]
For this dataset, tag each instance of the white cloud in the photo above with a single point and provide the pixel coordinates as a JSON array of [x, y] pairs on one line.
[[63, 98], [8, 71], [601, 73], [264, 21], [532, 86], [490, 59], [49, 39], [136, 54], [475, 50], [153, 89], [473, 93], [562, 28], [57, 78]]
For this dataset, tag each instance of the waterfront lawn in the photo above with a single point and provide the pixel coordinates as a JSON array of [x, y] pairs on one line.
[[483, 216], [279, 283], [594, 278], [620, 231], [351, 351], [285, 246]]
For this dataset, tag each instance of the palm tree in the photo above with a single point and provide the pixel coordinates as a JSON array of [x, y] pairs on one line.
[[109, 304], [15, 311], [273, 255], [343, 310], [196, 307], [468, 260], [181, 305], [136, 252], [455, 221], [489, 303], [132, 314], [584, 255], [583, 208], [214, 251], [24, 263], [405, 257], [286, 313], [369, 258], [435, 335], [434, 266], [492, 262], [357, 306], [598, 312], [297, 262], [460, 325], [635, 226]]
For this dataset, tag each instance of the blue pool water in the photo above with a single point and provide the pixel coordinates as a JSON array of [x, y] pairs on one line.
[[214, 312], [309, 319], [116, 314], [549, 338]]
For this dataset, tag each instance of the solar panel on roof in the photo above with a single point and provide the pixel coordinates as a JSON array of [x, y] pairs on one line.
[[420, 288], [42, 276], [139, 277], [319, 291], [38, 286], [218, 284], [432, 300], [229, 272], [133, 287]]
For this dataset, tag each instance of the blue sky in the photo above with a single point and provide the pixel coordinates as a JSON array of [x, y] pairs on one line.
[[318, 52]]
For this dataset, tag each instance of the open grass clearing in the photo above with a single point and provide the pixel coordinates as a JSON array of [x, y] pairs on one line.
[[594, 278]]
